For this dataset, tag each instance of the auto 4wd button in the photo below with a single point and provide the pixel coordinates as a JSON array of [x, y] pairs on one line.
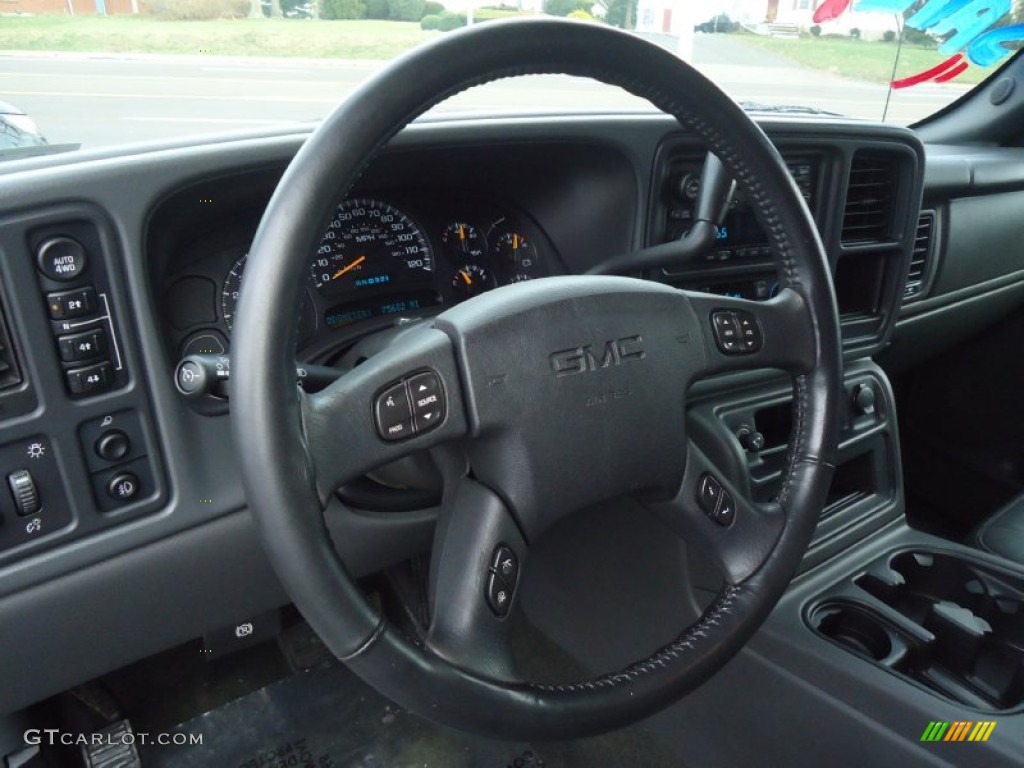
[[61, 258]]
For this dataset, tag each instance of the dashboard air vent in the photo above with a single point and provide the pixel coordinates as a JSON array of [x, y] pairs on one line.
[[9, 374], [869, 198], [923, 247]]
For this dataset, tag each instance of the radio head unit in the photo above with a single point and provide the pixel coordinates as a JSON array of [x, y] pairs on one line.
[[740, 237]]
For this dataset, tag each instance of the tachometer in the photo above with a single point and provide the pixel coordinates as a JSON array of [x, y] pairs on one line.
[[232, 287], [229, 293], [370, 244]]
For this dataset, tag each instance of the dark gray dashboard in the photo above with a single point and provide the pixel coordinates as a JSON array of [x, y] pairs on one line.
[[163, 225]]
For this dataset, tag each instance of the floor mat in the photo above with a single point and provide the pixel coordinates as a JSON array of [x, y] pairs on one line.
[[328, 718]]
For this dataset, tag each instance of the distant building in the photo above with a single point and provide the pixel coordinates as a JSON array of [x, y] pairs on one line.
[[70, 7], [775, 16], [666, 17]]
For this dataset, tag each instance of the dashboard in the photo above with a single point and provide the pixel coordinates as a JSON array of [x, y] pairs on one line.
[[453, 207], [424, 230]]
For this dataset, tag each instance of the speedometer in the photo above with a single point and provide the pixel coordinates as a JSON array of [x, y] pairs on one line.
[[370, 244]]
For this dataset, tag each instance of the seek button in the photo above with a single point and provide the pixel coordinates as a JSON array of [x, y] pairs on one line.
[[428, 406]]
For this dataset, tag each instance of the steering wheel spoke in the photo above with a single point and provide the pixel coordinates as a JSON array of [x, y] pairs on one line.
[[745, 335], [475, 571], [712, 513], [405, 399]]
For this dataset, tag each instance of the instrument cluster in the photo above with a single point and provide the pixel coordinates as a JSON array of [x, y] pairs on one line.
[[385, 257]]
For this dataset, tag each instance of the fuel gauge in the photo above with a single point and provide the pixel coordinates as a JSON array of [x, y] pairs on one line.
[[463, 241]]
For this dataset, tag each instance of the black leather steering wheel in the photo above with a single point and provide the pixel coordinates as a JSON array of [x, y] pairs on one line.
[[550, 396]]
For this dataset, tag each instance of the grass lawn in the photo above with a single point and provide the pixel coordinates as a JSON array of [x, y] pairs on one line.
[[857, 58], [261, 37]]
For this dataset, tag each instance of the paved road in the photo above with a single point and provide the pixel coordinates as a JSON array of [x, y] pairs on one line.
[[104, 99]]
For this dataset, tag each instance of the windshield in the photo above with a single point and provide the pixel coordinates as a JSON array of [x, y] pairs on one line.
[[102, 72]]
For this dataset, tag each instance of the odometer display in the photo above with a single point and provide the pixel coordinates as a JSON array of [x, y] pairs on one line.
[[368, 245]]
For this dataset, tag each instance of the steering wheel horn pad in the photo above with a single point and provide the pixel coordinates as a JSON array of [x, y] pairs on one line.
[[559, 393], [574, 391]]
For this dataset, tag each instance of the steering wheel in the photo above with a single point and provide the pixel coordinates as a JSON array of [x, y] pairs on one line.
[[540, 399]]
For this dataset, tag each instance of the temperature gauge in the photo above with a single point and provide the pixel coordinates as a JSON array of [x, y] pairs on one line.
[[472, 280], [463, 241]]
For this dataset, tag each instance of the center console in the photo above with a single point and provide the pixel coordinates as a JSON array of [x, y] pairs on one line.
[[897, 647], [746, 432], [940, 619]]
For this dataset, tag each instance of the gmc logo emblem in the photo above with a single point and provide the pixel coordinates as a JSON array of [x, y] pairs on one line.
[[577, 360]]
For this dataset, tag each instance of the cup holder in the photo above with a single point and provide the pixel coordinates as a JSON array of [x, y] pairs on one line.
[[946, 620], [854, 628]]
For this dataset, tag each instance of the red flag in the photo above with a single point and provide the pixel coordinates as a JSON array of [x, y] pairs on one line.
[[830, 9]]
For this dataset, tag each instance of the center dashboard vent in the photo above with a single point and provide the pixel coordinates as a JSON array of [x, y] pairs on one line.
[[870, 195], [920, 259]]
